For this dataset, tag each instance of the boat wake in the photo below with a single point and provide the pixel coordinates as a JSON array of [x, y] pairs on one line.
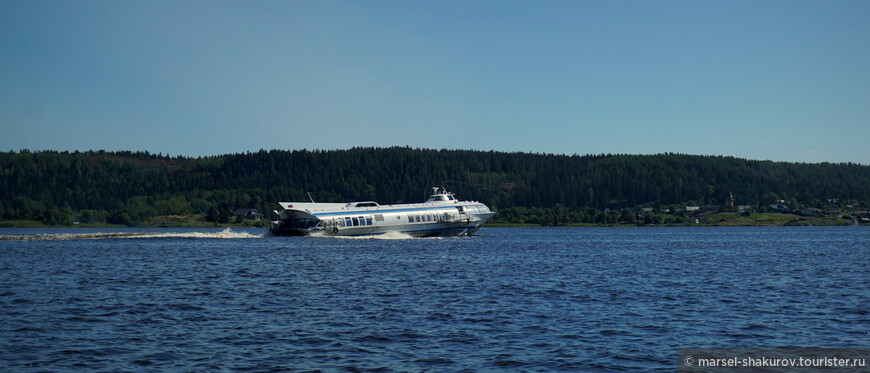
[[225, 234], [382, 236]]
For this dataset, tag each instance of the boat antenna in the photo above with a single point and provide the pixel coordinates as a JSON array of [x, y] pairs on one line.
[[310, 197]]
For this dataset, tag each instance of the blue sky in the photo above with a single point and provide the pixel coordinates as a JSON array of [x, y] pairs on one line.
[[778, 80]]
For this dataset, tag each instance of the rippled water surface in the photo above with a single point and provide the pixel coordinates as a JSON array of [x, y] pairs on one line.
[[573, 299]]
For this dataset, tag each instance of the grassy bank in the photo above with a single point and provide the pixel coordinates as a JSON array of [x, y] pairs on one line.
[[725, 219], [772, 219]]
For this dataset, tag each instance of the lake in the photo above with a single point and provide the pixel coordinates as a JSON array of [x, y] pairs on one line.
[[507, 299]]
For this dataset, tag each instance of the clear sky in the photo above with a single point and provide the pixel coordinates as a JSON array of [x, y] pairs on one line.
[[780, 80]]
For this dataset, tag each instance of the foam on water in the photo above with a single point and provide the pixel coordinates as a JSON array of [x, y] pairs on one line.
[[392, 235], [225, 234]]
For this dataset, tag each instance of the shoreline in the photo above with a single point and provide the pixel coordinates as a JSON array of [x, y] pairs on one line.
[[714, 220]]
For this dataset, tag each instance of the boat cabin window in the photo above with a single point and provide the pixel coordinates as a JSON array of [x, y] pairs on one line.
[[367, 204], [410, 218], [369, 220], [355, 221], [347, 222], [417, 218]]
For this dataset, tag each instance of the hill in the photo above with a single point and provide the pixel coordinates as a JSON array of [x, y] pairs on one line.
[[131, 187]]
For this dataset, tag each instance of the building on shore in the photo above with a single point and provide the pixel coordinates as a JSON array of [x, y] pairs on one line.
[[729, 206], [248, 213]]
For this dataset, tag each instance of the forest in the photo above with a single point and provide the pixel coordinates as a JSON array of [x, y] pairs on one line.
[[59, 188]]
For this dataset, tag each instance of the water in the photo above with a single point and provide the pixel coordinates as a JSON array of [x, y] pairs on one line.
[[574, 299]]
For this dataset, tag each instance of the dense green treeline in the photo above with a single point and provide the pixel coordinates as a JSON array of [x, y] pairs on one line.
[[130, 187]]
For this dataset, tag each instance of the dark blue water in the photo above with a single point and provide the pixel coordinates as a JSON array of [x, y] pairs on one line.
[[580, 299]]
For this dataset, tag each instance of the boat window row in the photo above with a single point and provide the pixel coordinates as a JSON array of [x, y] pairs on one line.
[[423, 218], [355, 221]]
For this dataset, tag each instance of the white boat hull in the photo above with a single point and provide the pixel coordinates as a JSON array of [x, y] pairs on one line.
[[423, 230]]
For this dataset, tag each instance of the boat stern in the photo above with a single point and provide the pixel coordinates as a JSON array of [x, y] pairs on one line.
[[292, 222]]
